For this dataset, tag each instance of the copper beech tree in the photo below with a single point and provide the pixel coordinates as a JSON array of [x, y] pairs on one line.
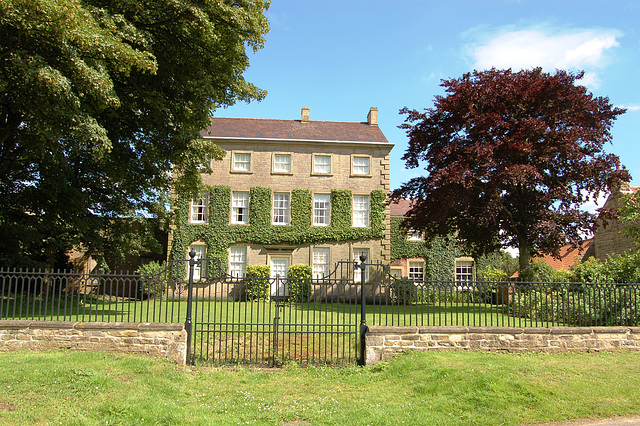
[[510, 157]]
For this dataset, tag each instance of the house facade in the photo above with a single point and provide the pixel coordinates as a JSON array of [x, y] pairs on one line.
[[609, 239], [290, 192]]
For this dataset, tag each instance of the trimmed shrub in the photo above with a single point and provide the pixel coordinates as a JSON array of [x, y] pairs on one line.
[[299, 284], [258, 282], [153, 279]]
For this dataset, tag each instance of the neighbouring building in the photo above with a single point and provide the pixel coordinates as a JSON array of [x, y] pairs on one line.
[[290, 192], [609, 239], [444, 259]]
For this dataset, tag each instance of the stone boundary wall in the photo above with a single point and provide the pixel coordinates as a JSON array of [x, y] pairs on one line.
[[167, 340], [383, 343]]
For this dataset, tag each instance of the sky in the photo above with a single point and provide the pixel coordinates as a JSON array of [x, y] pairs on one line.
[[342, 57]]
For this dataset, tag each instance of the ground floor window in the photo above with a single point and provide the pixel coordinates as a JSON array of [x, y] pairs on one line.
[[357, 272], [320, 267], [416, 270], [201, 253], [237, 261], [464, 270]]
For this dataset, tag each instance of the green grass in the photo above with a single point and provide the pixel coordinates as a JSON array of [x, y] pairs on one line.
[[435, 388]]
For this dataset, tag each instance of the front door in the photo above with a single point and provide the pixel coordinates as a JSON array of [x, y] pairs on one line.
[[279, 269]]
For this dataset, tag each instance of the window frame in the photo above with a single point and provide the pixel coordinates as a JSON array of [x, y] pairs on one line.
[[355, 256], [367, 213], [469, 269], [313, 165], [415, 264], [233, 162], [198, 271], [414, 235], [326, 266], [273, 163], [326, 209], [287, 209], [353, 165], [232, 262], [204, 206], [234, 212]]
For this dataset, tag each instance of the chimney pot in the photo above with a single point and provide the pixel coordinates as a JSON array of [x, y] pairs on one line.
[[305, 114], [372, 117]]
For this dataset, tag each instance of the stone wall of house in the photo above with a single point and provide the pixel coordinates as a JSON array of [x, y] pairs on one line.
[[383, 343], [166, 340], [609, 238]]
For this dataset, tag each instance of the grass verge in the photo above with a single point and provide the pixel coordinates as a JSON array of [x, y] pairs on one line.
[[435, 388]]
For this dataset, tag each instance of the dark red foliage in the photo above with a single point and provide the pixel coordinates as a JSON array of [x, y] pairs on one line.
[[510, 157]]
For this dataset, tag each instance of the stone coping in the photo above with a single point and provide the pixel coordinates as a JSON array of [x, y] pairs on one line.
[[377, 329]]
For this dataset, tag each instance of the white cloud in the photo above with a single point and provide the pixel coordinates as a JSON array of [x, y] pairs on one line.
[[630, 108], [542, 46]]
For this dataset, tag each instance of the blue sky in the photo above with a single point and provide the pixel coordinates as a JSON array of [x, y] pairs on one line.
[[340, 58]]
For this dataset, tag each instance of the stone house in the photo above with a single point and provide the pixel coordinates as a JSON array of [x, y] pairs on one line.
[[290, 192], [609, 240]]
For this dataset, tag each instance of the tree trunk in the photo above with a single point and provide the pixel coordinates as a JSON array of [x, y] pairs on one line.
[[525, 254]]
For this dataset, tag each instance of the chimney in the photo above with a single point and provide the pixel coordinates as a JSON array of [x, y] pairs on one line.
[[372, 117], [305, 114]]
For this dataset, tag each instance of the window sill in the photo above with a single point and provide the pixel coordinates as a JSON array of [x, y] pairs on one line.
[[242, 172], [360, 176]]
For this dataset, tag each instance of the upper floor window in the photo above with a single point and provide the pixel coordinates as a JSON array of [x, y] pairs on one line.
[[240, 208], [321, 209], [361, 207], [413, 235], [280, 208], [199, 207], [322, 164], [360, 165], [241, 162], [282, 163], [320, 267], [237, 261]]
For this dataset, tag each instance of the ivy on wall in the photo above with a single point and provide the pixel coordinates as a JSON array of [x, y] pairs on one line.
[[439, 254], [218, 234]]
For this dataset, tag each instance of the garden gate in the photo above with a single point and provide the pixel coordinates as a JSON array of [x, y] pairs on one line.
[[277, 319]]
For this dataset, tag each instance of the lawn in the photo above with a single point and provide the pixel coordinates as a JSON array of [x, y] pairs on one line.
[[442, 388]]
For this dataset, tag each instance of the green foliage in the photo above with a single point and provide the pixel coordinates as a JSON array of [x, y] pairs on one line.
[[492, 274], [403, 291], [219, 234], [257, 282], [630, 215], [540, 271], [101, 105], [299, 284], [154, 279], [589, 271]]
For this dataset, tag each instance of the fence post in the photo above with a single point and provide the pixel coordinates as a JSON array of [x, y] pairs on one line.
[[187, 324], [363, 309]]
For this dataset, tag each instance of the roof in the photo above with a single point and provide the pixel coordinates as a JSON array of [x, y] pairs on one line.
[[266, 128], [400, 207], [569, 255]]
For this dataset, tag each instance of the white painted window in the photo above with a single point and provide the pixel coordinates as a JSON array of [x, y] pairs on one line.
[[321, 209], [279, 273], [322, 164], [237, 261], [361, 212], [242, 162], [357, 272], [240, 208], [282, 163], [199, 207], [416, 270], [320, 267], [413, 235], [280, 208], [361, 165], [201, 253], [464, 270]]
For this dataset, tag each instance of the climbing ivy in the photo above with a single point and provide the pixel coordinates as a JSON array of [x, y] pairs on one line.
[[218, 234]]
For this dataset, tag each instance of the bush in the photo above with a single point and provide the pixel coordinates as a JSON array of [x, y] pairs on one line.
[[403, 291], [299, 284], [153, 279], [258, 282]]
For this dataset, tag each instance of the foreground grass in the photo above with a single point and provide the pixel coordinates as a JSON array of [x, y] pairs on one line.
[[74, 388]]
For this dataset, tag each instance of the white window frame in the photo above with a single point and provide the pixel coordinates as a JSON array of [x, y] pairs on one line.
[[281, 163], [238, 261], [320, 262], [361, 165], [414, 235], [321, 168], [240, 202], [321, 209], [241, 162], [280, 208], [201, 253], [361, 211], [199, 209], [355, 256], [464, 271], [415, 270]]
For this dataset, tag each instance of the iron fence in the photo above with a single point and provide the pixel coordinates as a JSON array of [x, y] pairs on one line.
[[270, 320]]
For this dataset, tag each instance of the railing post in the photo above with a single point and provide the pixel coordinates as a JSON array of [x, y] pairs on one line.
[[363, 310], [188, 323]]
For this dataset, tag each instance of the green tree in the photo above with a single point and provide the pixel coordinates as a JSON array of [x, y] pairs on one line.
[[510, 158], [101, 108]]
